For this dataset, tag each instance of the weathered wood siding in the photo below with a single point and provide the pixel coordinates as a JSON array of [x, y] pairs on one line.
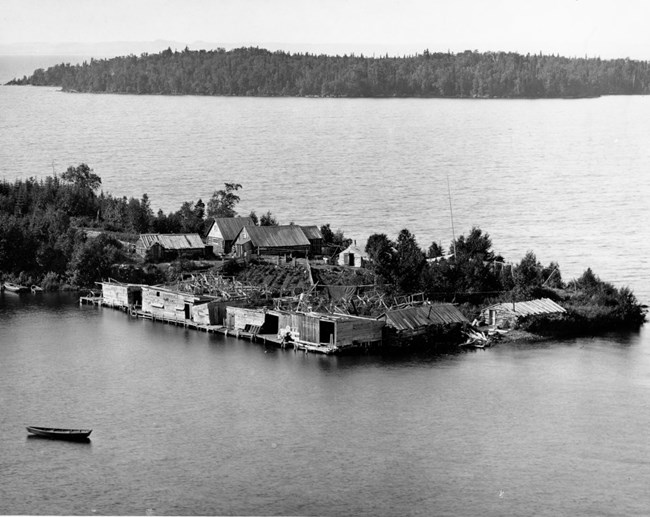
[[213, 313], [238, 317], [120, 295]]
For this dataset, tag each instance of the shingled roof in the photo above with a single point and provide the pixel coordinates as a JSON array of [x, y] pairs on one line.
[[411, 318], [277, 236], [529, 308], [231, 226], [175, 241]]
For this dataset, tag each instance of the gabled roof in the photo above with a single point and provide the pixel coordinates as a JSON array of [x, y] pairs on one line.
[[276, 236], [410, 318], [357, 250], [173, 241], [312, 232], [529, 308], [231, 226]]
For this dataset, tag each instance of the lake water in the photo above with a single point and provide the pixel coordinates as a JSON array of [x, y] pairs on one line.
[[190, 423]]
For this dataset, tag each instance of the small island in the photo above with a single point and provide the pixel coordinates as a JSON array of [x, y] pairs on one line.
[[205, 266]]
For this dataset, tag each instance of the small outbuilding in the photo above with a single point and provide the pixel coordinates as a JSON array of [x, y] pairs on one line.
[[118, 294], [158, 246], [427, 321], [315, 238], [353, 256], [508, 315]]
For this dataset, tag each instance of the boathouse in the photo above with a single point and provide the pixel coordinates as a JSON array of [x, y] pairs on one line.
[[353, 256], [120, 295], [157, 246], [323, 332], [223, 231], [427, 321], [169, 305], [272, 240], [214, 312], [508, 315]]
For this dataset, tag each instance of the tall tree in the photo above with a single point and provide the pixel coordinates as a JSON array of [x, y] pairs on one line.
[[223, 201]]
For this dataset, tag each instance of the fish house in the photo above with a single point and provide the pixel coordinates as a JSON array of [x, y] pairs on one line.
[[223, 232], [508, 314], [117, 294], [426, 320], [157, 246], [166, 304]]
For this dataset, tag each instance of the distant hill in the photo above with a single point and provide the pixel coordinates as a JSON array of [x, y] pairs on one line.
[[258, 72]]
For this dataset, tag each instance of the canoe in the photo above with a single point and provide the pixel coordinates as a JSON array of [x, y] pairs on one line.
[[60, 434], [15, 288]]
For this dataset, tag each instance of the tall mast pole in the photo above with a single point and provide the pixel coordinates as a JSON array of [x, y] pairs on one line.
[[451, 215]]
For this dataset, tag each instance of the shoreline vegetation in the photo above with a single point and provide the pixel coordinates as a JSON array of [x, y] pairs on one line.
[[63, 233], [255, 71]]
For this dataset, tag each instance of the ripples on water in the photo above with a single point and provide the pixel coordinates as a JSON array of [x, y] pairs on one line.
[[190, 423]]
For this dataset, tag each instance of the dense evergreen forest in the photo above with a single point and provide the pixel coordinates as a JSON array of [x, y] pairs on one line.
[[45, 239], [259, 72]]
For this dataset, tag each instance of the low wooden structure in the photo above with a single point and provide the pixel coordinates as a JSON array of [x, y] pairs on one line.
[[508, 315], [162, 303], [318, 332], [272, 240], [120, 295], [157, 246], [427, 322]]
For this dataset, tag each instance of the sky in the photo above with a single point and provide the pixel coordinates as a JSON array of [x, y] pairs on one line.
[[573, 28]]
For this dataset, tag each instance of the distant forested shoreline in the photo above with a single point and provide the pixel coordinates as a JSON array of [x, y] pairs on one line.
[[259, 72]]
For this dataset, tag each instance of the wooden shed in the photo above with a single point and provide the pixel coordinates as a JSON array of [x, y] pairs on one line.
[[158, 246], [508, 314], [118, 294], [223, 231], [214, 312], [272, 240], [167, 304], [427, 321], [353, 256]]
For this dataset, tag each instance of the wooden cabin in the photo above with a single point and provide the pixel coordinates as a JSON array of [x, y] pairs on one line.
[[289, 240], [159, 247], [166, 304], [223, 231], [118, 294], [507, 315]]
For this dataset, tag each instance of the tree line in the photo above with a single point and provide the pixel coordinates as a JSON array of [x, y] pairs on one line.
[[44, 227], [259, 72]]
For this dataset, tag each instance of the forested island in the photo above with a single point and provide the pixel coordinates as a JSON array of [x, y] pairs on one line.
[[259, 72], [63, 232]]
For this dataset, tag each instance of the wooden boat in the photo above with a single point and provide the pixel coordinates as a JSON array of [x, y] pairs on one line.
[[15, 288], [60, 434]]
